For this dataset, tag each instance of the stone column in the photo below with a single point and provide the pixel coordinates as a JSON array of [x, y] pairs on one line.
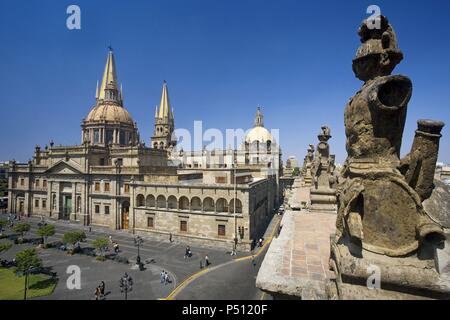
[[73, 215], [58, 200], [10, 193], [49, 197], [132, 205]]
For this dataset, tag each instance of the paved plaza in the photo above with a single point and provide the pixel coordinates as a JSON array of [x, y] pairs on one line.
[[228, 277]]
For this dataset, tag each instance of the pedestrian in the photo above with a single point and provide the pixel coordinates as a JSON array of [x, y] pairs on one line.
[[110, 240], [188, 252], [201, 264], [97, 293], [166, 278], [102, 288], [253, 261], [90, 229], [162, 276], [170, 237], [207, 263]]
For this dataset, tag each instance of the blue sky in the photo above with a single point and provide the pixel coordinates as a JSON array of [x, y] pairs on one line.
[[221, 58]]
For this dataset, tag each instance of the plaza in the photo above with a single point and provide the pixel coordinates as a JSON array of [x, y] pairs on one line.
[[229, 272]]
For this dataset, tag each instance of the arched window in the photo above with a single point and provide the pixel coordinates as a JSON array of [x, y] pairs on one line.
[[222, 205], [269, 146], [238, 206], [183, 203], [161, 202], [208, 205], [161, 145], [140, 200], [196, 204], [172, 202], [150, 201], [155, 145]]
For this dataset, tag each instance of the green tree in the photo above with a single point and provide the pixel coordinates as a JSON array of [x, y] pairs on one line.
[[22, 228], [5, 246], [3, 224], [28, 259], [101, 245], [45, 232], [73, 237], [296, 172]]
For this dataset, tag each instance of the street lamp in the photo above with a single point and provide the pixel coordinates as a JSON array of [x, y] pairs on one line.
[[126, 284], [138, 241], [27, 272]]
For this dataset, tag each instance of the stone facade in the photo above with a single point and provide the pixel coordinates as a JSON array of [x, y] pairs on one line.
[[113, 180]]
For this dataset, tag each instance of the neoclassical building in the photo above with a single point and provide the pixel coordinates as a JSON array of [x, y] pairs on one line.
[[114, 180]]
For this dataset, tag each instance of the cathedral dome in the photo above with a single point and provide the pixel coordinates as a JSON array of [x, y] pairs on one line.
[[110, 113], [260, 134]]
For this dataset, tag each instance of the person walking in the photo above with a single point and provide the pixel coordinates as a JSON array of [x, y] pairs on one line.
[[188, 252], [166, 278], [170, 237], [207, 263], [97, 293], [110, 240], [162, 276], [102, 288]]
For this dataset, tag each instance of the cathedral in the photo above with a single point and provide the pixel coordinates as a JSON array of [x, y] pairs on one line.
[[223, 198]]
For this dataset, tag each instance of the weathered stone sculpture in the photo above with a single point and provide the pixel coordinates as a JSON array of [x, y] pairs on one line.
[[323, 195], [381, 220], [307, 163]]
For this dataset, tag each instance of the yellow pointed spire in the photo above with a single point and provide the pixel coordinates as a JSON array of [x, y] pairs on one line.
[[164, 106], [109, 81]]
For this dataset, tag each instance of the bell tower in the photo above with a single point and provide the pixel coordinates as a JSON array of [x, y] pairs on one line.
[[164, 124]]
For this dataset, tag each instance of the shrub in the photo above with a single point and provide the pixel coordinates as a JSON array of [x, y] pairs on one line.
[[22, 228], [5, 246], [101, 245], [73, 237]]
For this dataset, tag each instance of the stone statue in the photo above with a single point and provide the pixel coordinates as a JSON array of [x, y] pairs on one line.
[[323, 195], [307, 163], [381, 220]]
